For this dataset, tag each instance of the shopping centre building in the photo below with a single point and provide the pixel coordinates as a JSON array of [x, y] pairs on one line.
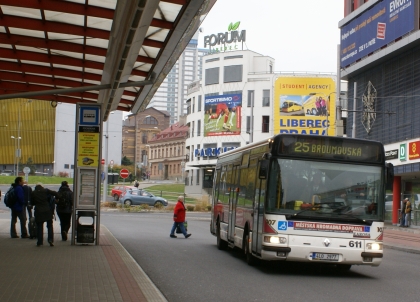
[[241, 100], [380, 59]]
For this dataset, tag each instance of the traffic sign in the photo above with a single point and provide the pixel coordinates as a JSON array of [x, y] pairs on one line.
[[26, 170], [124, 173], [102, 161]]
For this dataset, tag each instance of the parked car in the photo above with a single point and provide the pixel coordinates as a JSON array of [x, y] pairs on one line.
[[118, 190], [137, 197], [7, 173]]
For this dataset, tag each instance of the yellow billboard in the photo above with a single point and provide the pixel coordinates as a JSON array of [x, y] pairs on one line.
[[304, 105]]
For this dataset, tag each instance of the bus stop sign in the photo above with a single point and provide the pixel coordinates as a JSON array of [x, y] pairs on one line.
[[124, 173]]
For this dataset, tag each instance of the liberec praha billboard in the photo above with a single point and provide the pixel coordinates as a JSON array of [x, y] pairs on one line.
[[304, 105], [380, 25]]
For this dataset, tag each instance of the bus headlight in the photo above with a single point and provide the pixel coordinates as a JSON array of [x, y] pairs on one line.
[[275, 239], [374, 246]]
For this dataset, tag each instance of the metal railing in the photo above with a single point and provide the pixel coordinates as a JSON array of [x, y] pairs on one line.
[[415, 216]]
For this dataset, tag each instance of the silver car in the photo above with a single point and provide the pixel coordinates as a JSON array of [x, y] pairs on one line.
[[137, 197]]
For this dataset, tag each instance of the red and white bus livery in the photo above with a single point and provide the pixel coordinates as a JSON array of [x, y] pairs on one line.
[[303, 198]]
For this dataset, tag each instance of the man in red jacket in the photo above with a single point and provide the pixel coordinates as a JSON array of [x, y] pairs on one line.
[[179, 218]]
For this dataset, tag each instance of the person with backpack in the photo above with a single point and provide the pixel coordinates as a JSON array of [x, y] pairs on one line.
[[18, 208], [64, 208], [41, 198]]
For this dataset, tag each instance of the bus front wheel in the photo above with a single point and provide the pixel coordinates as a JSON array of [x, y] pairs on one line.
[[251, 260], [221, 244], [343, 267]]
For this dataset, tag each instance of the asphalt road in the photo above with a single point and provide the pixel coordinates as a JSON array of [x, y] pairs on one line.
[[195, 270]]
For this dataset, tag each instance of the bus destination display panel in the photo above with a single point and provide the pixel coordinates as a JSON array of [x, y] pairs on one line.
[[329, 148]]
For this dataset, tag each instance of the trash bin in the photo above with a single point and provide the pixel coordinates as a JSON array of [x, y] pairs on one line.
[[85, 232], [113, 178]]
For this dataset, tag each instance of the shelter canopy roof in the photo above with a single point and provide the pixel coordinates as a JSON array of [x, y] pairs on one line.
[[108, 52]]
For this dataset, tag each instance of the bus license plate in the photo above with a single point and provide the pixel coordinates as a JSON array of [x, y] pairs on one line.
[[324, 256]]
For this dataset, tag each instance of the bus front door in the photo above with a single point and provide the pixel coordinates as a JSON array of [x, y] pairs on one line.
[[233, 200], [258, 216]]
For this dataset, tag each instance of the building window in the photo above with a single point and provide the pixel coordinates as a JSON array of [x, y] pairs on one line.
[[150, 120], [193, 105], [199, 103], [198, 127], [72, 166], [144, 138], [248, 124], [250, 97], [192, 129], [266, 98], [66, 166], [198, 177], [232, 74], [212, 76], [265, 124]]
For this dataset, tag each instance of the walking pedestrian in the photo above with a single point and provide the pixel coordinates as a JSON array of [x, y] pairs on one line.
[[41, 200], [407, 221], [179, 218], [19, 210], [402, 214], [64, 208]]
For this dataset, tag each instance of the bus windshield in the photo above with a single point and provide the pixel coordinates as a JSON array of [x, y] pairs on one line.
[[322, 190]]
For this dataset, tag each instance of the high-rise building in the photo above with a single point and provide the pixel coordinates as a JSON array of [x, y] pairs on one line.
[[171, 95]]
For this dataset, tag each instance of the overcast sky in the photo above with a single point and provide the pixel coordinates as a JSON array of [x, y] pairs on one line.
[[301, 35]]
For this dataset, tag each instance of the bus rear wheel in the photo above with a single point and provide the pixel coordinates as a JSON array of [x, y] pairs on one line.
[[221, 244], [251, 260]]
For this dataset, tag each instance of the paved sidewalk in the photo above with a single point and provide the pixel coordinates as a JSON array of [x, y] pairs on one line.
[[403, 239], [70, 273]]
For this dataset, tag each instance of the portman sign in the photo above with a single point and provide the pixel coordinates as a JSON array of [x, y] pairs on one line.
[[229, 37]]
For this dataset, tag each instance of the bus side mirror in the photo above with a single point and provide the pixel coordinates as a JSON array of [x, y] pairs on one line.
[[263, 169], [389, 170]]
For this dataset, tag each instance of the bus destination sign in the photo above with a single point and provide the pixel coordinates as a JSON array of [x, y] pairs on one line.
[[331, 148]]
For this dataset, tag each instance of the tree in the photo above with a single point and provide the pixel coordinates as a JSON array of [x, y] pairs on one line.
[[125, 161], [30, 164]]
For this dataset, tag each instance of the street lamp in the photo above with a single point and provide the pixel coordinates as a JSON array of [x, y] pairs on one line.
[[17, 154]]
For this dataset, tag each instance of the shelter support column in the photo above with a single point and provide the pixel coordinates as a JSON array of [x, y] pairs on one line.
[[396, 189]]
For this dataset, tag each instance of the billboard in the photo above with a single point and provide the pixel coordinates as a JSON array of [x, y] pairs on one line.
[[222, 115], [304, 105], [380, 25]]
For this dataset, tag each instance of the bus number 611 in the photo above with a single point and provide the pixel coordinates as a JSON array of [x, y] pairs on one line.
[[357, 244]]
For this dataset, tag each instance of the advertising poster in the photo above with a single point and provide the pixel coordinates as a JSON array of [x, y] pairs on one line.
[[378, 26], [304, 105], [222, 115], [88, 149]]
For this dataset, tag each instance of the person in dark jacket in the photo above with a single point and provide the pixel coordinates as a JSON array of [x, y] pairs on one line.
[[18, 210], [27, 191], [40, 198], [65, 208], [179, 218]]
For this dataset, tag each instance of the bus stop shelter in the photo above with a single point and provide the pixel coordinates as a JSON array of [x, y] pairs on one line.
[[115, 53]]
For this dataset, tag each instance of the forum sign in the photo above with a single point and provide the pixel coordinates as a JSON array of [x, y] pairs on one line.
[[227, 41]]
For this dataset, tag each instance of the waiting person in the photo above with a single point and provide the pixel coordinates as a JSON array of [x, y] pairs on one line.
[[19, 210], [27, 191], [41, 200], [179, 218], [402, 214], [64, 208], [407, 221]]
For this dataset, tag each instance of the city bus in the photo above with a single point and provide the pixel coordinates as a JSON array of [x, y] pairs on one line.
[[263, 200]]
